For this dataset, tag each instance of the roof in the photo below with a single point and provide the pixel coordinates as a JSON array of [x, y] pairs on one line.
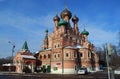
[[85, 32], [28, 56], [48, 49], [69, 47], [37, 52], [62, 22], [25, 46], [77, 46], [7, 64]]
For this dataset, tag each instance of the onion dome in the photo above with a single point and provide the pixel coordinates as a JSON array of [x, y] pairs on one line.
[[62, 22], [75, 19], [84, 32], [66, 12], [56, 18]]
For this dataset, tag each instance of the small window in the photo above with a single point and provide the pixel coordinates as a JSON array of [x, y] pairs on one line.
[[55, 55], [58, 55], [55, 46], [44, 56], [48, 55], [40, 56], [58, 45], [67, 54], [81, 54]]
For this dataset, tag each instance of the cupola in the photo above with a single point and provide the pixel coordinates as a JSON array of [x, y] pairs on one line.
[[75, 19], [85, 32], [62, 22], [56, 18], [66, 12]]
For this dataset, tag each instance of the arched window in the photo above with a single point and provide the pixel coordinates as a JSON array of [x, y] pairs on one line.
[[55, 55], [67, 55], [44, 56], [55, 46], [81, 55], [40, 56], [58, 55], [48, 55], [58, 45]]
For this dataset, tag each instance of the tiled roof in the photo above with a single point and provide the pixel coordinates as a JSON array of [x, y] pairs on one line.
[[25, 46], [69, 47], [28, 56], [77, 46]]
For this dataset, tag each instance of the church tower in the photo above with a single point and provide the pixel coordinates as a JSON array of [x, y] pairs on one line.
[[45, 46], [75, 20]]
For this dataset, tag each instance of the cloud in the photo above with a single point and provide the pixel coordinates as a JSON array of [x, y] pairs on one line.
[[98, 35], [34, 27], [31, 29], [2, 0], [26, 23]]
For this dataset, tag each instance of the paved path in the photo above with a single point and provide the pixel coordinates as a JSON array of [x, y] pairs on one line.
[[13, 75]]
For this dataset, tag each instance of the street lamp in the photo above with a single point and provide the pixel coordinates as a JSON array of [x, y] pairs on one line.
[[62, 60], [13, 47]]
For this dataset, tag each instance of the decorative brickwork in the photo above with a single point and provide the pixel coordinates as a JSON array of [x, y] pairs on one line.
[[67, 49]]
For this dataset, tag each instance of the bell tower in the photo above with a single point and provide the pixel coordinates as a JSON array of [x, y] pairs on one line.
[[45, 46]]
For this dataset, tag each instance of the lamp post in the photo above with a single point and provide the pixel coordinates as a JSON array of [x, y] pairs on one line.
[[13, 47], [107, 61], [62, 61]]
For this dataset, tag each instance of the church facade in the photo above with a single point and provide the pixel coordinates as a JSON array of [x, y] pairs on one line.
[[67, 49], [24, 61]]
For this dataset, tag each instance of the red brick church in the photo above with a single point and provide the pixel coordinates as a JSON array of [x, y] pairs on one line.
[[67, 49], [64, 51]]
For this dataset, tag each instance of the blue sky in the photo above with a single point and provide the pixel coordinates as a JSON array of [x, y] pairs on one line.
[[27, 20]]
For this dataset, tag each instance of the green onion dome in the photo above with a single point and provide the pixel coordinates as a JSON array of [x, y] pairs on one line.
[[56, 18], [84, 32], [66, 12], [62, 22], [75, 19]]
